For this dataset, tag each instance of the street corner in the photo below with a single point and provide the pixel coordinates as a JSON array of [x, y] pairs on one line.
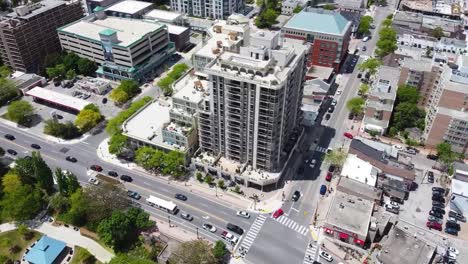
[[266, 207], [314, 232]]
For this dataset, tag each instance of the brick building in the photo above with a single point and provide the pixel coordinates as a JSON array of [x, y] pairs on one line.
[[328, 32]]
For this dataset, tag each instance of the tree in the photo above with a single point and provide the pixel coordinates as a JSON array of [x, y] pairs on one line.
[[437, 32], [87, 119], [387, 22], [119, 96], [270, 16], [117, 144], [59, 203], [77, 213], [297, 9], [23, 203], [199, 176], [5, 71], [11, 182], [86, 67], [407, 115], [92, 107], [143, 156], [70, 75], [336, 157], [365, 24], [70, 61], [66, 181], [195, 251], [20, 111], [66, 130], [8, 91], [445, 153], [219, 250], [355, 105], [385, 47], [208, 179], [130, 87], [364, 88], [407, 94], [58, 72], [221, 184], [174, 164], [34, 170], [129, 259], [370, 65], [165, 84], [329, 7], [113, 231], [428, 52]]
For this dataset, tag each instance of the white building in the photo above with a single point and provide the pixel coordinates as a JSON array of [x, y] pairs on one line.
[[359, 170], [288, 7], [167, 17], [217, 9]]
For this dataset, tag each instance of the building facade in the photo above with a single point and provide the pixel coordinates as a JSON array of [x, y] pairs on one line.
[[218, 9], [29, 34], [123, 48], [254, 104], [327, 32]]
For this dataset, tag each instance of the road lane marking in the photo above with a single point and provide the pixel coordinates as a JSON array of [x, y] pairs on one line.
[[27, 149]]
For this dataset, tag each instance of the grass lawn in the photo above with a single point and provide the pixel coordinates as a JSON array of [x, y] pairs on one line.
[[10, 239], [81, 255]]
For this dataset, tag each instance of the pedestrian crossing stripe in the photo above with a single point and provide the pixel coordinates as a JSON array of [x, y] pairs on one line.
[[249, 238], [311, 253], [289, 223], [321, 149]]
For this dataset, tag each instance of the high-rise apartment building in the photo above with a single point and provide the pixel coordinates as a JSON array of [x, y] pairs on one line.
[[254, 103], [328, 32], [217, 9], [29, 34]]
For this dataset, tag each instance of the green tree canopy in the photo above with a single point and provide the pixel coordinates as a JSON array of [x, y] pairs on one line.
[[128, 259], [365, 24], [92, 107], [87, 119], [329, 7], [5, 71], [66, 130], [356, 105], [119, 96], [20, 111], [407, 94], [336, 157], [370, 65], [34, 170], [297, 9], [437, 32], [66, 181], [8, 91], [86, 67], [364, 88], [21, 203], [174, 164], [130, 87], [195, 251], [118, 143], [407, 115], [57, 72], [446, 155], [219, 250]]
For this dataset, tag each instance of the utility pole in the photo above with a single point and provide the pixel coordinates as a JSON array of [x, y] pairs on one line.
[[216, 190], [169, 220], [197, 234]]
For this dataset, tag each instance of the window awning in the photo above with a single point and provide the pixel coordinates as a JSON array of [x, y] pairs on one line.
[[344, 236], [359, 241]]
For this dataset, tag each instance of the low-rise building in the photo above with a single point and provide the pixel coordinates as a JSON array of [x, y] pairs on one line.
[[47, 251], [355, 5], [94, 85], [167, 17], [359, 170], [315, 92], [364, 191], [123, 48], [401, 247], [288, 6], [348, 219], [26, 81], [57, 100], [129, 9], [425, 23], [180, 36], [380, 100], [218, 9], [459, 200]]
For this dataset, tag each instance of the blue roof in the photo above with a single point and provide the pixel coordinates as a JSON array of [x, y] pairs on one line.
[[324, 22], [45, 251]]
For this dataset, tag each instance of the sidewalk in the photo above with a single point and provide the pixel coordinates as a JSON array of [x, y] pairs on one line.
[[7, 227], [178, 234]]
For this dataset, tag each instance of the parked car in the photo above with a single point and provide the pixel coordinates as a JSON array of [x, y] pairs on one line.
[[327, 117], [326, 256], [359, 75], [296, 196], [133, 195], [93, 181], [432, 157], [331, 109], [186, 216], [209, 227], [392, 209], [338, 92], [113, 174], [35, 146], [348, 135], [126, 178], [396, 199], [331, 168], [366, 38], [435, 219], [234, 228], [180, 197], [351, 116], [96, 168], [411, 151], [243, 214], [457, 216], [438, 198], [104, 100], [438, 209], [438, 189], [434, 225], [323, 189], [453, 250], [364, 48], [451, 231], [329, 176], [430, 178], [12, 152], [229, 237], [452, 225], [438, 204], [9, 137], [312, 163], [278, 213], [71, 159], [334, 102], [436, 214]]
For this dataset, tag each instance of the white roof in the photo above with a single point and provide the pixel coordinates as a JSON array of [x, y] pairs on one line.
[[58, 98], [129, 7], [163, 15], [176, 29], [359, 170], [460, 187], [162, 203], [128, 30]]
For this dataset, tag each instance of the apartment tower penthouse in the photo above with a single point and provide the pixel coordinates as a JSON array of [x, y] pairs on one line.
[[217, 9], [254, 103], [29, 34]]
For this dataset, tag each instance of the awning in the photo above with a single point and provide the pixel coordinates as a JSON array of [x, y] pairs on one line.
[[344, 236], [359, 241]]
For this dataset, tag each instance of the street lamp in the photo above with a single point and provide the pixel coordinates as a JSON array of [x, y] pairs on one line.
[[197, 234], [169, 220], [216, 190]]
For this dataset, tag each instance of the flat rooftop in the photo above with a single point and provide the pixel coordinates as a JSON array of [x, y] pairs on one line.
[[176, 30], [58, 98], [128, 30], [162, 15], [350, 213], [417, 65], [129, 7], [386, 83], [191, 88], [320, 72], [319, 20], [358, 189], [147, 124], [359, 170], [38, 8], [405, 248]]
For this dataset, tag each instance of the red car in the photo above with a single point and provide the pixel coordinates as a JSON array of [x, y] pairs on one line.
[[278, 213], [96, 168], [434, 225], [329, 176], [348, 135]]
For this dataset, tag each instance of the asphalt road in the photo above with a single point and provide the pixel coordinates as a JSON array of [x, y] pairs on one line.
[[203, 209]]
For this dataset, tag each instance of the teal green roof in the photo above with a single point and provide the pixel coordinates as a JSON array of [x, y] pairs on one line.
[[326, 22], [107, 32], [98, 8]]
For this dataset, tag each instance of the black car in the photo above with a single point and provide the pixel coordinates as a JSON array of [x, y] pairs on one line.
[[327, 117], [430, 179], [432, 157], [180, 197], [331, 168], [430, 174], [451, 231], [436, 214], [235, 229], [35, 146], [351, 116], [438, 210], [453, 225], [359, 75], [10, 137], [438, 198], [296, 196], [126, 178], [457, 216], [438, 189], [113, 174], [104, 100], [438, 193], [396, 199], [331, 109], [12, 152], [71, 159], [438, 204]]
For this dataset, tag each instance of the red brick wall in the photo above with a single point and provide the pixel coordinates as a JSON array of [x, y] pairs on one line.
[[294, 36], [318, 53], [439, 127]]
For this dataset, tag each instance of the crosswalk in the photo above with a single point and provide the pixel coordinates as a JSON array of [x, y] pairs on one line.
[[310, 253], [321, 149], [252, 234], [289, 223]]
